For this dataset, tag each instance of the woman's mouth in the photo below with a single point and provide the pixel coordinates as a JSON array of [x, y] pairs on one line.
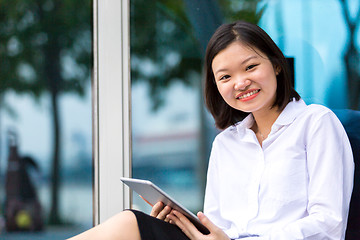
[[248, 96]]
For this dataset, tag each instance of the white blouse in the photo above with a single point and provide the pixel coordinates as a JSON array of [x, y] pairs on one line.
[[297, 185]]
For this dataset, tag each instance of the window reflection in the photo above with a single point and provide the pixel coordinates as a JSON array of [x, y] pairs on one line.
[[45, 118]]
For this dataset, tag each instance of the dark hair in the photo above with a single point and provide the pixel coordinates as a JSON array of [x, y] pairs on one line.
[[254, 37]]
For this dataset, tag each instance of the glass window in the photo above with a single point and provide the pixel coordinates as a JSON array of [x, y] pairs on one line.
[[323, 38], [45, 119], [171, 131]]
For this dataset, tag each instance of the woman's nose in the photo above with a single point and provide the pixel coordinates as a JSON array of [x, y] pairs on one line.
[[241, 84]]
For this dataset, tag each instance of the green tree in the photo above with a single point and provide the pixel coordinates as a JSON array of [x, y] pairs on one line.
[[169, 37], [161, 53], [46, 49]]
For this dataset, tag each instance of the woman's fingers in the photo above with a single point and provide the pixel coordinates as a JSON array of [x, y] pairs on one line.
[[215, 231], [160, 211], [156, 209], [206, 222], [162, 215], [192, 232], [184, 224]]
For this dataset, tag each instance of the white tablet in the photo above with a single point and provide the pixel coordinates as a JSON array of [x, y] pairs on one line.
[[153, 194]]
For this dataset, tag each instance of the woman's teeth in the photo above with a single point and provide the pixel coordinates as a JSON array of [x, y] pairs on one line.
[[248, 94]]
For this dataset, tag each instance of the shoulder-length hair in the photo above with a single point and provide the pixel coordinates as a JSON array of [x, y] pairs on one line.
[[256, 38]]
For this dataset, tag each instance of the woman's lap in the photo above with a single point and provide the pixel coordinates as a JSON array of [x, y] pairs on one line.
[[151, 228]]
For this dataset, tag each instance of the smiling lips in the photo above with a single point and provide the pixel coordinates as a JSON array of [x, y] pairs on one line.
[[248, 95]]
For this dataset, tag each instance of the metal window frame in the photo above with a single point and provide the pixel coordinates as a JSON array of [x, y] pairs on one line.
[[111, 107]]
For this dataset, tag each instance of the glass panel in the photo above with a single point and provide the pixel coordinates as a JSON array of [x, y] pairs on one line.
[[322, 38], [171, 131], [45, 119]]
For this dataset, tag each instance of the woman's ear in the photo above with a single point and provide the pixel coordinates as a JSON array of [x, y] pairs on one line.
[[277, 70]]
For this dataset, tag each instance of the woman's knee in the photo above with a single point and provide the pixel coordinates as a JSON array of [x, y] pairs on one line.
[[129, 217], [123, 226]]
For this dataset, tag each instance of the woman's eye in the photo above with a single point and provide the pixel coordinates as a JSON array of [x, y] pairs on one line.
[[251, 66], [225, 77]]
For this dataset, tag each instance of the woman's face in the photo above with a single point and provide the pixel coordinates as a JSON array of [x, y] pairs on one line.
[[245, 78]]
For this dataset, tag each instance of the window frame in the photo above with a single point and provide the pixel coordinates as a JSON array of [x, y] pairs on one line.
[[111, 89]]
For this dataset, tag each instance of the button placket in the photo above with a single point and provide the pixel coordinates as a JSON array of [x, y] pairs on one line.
[[254, 188]]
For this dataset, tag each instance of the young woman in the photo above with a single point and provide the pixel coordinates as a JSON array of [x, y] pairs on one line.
[[279, 169]]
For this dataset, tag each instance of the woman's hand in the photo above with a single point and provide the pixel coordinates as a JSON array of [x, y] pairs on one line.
[[160, 211], [192, 232]]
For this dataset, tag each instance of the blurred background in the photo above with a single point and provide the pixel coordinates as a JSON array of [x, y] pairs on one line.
[[46, 102]]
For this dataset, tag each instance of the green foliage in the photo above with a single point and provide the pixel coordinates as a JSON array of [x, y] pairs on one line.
[[247, 10], [164, 44], [38, 39]]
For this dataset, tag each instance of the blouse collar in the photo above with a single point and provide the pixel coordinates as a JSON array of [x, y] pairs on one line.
[[286, 117]]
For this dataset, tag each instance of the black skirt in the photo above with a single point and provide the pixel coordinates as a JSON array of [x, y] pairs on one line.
[[151, 228]]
